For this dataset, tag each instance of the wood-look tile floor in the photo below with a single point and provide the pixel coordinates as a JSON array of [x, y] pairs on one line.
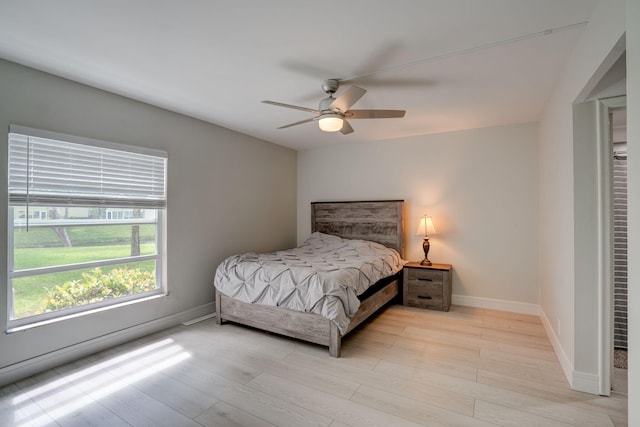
[[407, 367]]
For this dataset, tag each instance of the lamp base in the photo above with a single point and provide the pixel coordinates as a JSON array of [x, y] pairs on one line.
[[425, 248]]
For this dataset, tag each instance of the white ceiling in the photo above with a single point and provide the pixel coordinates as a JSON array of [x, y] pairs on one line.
[[216, 60]]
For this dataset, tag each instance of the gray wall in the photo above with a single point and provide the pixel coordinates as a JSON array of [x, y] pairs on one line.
[[227, 193]]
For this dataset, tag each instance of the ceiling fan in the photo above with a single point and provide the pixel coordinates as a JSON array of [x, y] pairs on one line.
[[333, 112]]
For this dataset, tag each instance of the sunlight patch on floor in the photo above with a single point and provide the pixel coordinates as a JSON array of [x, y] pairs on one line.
[[73, 391]]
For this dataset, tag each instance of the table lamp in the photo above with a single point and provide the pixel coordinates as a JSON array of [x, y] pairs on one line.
[[425, 228]]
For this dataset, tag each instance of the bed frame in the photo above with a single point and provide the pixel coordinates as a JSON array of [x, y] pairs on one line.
[[378, 221]]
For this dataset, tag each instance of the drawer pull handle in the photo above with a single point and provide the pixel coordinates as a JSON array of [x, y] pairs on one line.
[[425, 280], [423, 297]]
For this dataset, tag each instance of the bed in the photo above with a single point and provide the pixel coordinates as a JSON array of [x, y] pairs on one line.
[[347, 228]]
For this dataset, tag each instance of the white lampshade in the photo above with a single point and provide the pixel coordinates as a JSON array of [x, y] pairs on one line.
[[426, 227], [330, 123]]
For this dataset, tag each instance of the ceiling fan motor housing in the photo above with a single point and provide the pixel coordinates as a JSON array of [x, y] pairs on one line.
[[330, 85], [325, 105]]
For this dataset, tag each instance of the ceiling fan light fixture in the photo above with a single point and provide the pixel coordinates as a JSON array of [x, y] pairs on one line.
[[330, 122]]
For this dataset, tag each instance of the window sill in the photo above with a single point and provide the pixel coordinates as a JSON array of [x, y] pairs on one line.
[[38, 324]]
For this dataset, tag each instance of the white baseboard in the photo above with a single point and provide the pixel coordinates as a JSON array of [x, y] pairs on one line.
[[578, 381], [199, 319], [17, 371], [496, 304], [565, 362], [585, 382]]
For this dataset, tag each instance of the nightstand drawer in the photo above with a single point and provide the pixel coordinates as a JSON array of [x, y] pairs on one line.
[[425, 276], [425, 295]]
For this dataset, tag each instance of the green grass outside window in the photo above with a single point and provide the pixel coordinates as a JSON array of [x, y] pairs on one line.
[[40, 247]]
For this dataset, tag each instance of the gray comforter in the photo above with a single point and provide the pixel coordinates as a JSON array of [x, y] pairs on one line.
[[324, 275]]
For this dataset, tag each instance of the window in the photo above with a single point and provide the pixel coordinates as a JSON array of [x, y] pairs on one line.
[[86, 224]]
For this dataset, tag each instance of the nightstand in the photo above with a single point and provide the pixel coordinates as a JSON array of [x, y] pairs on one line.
[[427, 286]]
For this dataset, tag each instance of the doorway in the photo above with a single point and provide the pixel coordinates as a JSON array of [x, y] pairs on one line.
[[618, 137], [593, 224]]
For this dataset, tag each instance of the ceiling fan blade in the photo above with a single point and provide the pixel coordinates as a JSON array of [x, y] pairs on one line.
[[298, 123], [348, 98], [374, 114], [399, 82], [346, 128], [295, 107]]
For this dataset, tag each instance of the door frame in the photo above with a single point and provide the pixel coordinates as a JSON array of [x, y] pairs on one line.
[[605, 239]]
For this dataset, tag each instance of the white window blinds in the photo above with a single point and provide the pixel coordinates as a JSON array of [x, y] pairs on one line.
[[53, 169]]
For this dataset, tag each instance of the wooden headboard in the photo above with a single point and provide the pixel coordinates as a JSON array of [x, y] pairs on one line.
[[378, 221]]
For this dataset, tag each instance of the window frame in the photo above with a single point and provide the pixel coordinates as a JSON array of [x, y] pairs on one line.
[[159, 257]]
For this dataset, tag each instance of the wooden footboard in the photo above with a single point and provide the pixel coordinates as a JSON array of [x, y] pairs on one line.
[[308, 327], [296, 324]]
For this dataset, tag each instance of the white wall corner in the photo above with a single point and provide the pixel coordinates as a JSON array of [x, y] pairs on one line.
[[565, 362], [579, 381], [585, 382], [496, 304]]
